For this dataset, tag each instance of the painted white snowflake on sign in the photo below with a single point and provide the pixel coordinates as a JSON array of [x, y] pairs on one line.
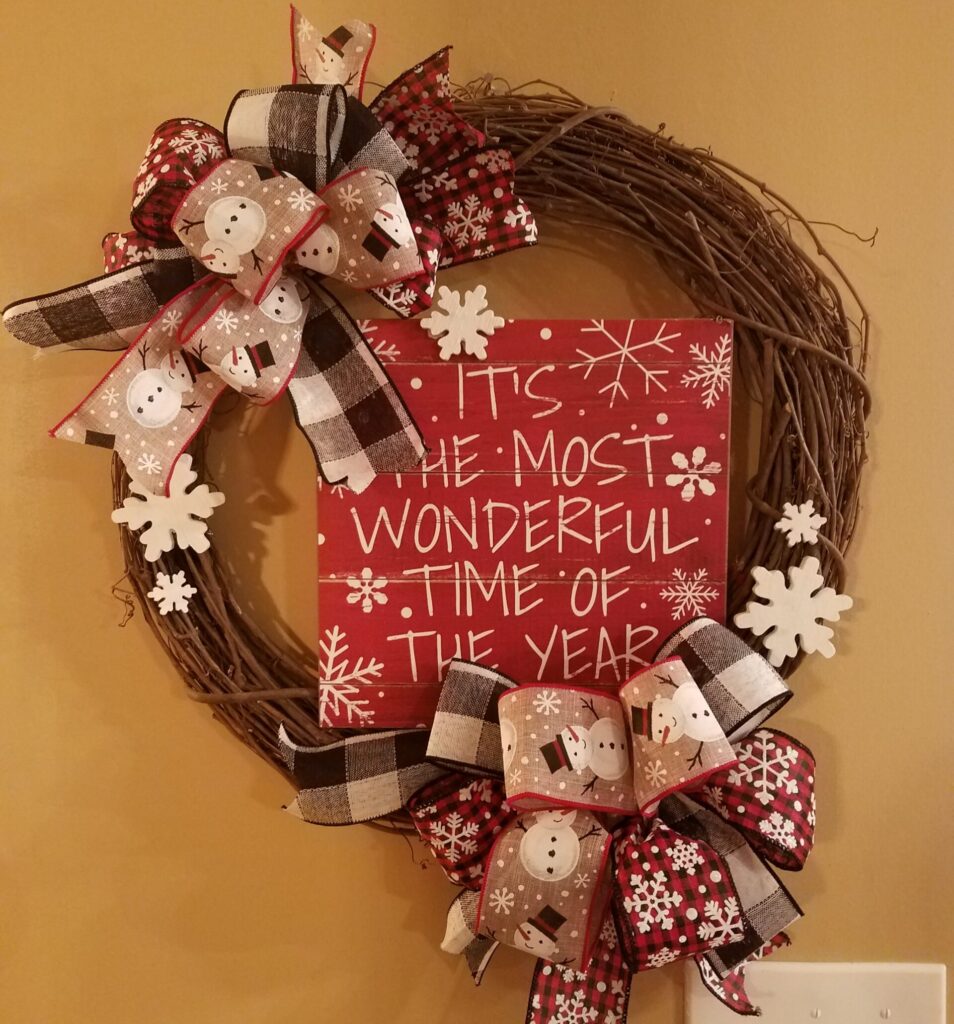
[[467, 221], [791, 613], [172, 593], [341, 682], [765, 764], [713, 370], [780, 830], [800, 523], [176, 519], [397, 297], [582, 880], [110, 396], [547, 703], [573, 1009], [723, 922], [367, 589], [454, 836], [693, 474], [149, 464], [521, 215], [463, 326], [652, 901], [689, 593], [621, 353]]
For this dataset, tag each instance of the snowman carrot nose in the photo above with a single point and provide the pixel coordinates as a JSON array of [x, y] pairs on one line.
[[573, 734]]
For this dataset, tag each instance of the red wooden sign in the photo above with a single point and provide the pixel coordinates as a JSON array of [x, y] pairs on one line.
[[570, 514]]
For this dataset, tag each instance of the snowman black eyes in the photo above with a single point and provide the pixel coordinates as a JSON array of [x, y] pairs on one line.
[[552, 839]]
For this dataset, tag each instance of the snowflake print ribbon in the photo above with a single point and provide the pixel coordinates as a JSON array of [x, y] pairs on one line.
[[217, 285], [537, 821]]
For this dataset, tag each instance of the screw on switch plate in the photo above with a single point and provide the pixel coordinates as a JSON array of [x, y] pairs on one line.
[[792, 993]]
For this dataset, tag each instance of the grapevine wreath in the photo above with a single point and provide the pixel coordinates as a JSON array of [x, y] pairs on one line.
[[306, 185]]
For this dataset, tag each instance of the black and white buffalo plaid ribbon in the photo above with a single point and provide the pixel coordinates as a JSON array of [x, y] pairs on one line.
[[359, 778], [466, 729], [106, 313]]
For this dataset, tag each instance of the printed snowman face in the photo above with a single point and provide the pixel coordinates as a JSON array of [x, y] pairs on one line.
[[320, 251], [698, 720], [668, 724], [389, 218], [576, 741], [236, 220], [176, 372], [550, 849], [508, 741], [151, 400], [221, 258], [609, 757], [236, 369], [282, 303], [530, 939], [327, 67]]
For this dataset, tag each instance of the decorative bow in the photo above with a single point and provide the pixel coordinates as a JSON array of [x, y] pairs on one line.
[[564, 815], [216, 286]]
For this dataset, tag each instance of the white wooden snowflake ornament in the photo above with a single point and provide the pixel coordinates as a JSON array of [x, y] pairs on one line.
[[176, 519], [463, 325], [790, 616], [172, 593], [800, 523]]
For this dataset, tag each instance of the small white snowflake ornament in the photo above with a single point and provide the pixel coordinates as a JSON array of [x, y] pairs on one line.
[[172, 593], [175, 519], [791, 614], [463, 326], [800, 523]]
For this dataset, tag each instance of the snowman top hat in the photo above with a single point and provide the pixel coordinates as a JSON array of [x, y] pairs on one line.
[[261, 356], [338, 40], [555, 754], [643, 721], [192, 363], [548, 921]]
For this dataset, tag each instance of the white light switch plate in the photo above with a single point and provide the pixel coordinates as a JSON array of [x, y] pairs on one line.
[[791, 993]]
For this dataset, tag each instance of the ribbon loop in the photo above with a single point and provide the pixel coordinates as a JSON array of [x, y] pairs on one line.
[[243, 222], [338, 58], [181, 153]]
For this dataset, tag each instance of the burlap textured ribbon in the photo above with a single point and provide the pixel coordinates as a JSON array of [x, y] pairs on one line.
[[305, 183], [540, 827]]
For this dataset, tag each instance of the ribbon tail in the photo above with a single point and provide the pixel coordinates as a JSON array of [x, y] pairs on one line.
[[599, 994], [345, 404], [106, 313], [730, 990], [359, 778], [152, 402]]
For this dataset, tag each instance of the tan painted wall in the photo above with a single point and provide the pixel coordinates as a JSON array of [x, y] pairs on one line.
[[146, 871]]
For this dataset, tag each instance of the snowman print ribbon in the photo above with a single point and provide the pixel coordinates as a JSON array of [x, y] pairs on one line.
[[592, 830], [304, 183]]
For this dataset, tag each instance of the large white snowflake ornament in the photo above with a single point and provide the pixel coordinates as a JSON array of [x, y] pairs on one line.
[[463, 326], [792, 614], [800, 523], [175, 519], [172, 593]]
